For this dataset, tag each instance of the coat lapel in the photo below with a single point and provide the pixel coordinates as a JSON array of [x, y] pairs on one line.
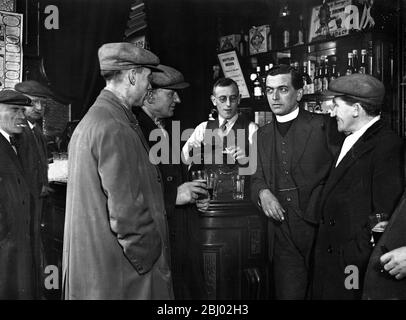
[[303, 129], [363, 145], [8, 149]]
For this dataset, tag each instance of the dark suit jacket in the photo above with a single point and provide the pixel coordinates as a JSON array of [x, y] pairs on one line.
[[171, 173], [16, 256], [368, 180], [380, 285], [316, 142]]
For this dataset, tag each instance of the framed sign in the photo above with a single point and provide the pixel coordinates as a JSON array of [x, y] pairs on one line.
[[340, 17], [232, 69], [11, 50]]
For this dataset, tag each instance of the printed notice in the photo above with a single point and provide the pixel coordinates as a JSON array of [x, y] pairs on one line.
[[232, 69], [11, 52]]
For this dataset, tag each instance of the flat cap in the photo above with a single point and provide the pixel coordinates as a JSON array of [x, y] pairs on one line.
[[14, 98], [169, 78], [36, 89], [362, 87], [124, 56]]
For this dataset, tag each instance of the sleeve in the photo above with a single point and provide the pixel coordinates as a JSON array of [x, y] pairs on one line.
[[129, 215], [252, 128], [258, 180], [197, 136]]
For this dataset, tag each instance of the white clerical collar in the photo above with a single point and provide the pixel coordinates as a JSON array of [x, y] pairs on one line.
[[230, 122], [288, 117], [5, 134]]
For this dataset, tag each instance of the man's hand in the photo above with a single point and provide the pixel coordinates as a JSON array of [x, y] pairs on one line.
[[395, 262], [203, 204], [270, 205], [190, 191], [46, 191]]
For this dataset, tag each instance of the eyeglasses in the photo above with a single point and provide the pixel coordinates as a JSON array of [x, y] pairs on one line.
[[223, 99]]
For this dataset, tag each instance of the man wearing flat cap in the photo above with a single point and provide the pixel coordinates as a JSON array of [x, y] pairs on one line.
[[366, 180], [158, 105], [17, 273], [116, 239], [34, 156]]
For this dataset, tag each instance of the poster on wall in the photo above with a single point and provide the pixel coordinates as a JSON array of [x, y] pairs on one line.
[[232, 69], [11, 51], [339, 18]]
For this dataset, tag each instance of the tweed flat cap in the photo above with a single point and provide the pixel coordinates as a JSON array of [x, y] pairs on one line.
[[169, 78], [14, 98], [362, 87], [124, 56]]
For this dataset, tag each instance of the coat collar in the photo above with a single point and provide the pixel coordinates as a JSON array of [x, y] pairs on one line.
[[363, 145], [8, 150]]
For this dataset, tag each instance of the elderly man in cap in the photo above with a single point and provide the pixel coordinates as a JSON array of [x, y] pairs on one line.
[[159, 105], [34, 157], [367, 179], [116, 239], [17, 277]]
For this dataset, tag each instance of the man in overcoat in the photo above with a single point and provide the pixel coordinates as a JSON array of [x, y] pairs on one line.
[[17, 272], [295, 154], [116, 236], [367, 179]]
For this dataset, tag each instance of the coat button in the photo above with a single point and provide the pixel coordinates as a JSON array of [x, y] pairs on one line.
[[332, 222], [169, 179], [330, 249]]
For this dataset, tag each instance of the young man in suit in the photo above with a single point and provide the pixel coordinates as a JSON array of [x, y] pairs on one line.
[[295, 154], [17, 269], [367, 179]]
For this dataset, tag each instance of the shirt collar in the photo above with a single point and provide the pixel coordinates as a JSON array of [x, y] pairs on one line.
[[32, 125], [230, 122], [357, 134], [288, 117], [5, 134]]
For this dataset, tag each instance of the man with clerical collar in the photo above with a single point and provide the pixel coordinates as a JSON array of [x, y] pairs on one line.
[[226, 98], [366, 180], [295, 153], [17, 240]]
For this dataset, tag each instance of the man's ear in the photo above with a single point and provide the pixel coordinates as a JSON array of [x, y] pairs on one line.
[[150, 97], [131, 77], [213, 100], [299, 95], [357, 110]]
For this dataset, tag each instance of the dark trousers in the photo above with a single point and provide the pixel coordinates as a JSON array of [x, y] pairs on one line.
[[293, 242]]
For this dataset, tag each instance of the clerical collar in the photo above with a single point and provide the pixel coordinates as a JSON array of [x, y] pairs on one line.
[[32, 125], [288, 117]]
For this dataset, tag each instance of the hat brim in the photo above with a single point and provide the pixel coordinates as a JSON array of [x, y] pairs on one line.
[[176, 86], [332, 94], [153, 68]]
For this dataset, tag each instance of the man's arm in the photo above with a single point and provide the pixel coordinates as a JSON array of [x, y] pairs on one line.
[[129, 215], [194, 140]]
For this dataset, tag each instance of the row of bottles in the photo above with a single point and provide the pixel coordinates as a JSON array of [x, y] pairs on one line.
[[316, 74]]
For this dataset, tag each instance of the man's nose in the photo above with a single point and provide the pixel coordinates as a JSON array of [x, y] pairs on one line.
[[275, 95], [38, 105], [333, 112], [176, 98]]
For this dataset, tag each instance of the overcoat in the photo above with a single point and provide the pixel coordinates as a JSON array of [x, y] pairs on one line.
[[17, 276], [116, 237], [381, 285], [368, 181]]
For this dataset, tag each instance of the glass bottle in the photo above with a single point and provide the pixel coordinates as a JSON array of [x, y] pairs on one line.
[[350, 65], [363, 64], [355, 60]]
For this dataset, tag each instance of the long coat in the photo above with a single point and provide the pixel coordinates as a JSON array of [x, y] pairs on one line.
[[368, 181], [33, 155], [115, 240], [380, 285], [17, 279]]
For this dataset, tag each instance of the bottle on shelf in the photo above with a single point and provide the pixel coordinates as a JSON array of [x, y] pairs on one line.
[[355, 60], [333, 73], [307, 81], [263, 78], [324, 81], [257, 84], [363, 64], [370, 58], [300, 31], [242, 45], [286, 36], [317, 80], [350, 64]]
